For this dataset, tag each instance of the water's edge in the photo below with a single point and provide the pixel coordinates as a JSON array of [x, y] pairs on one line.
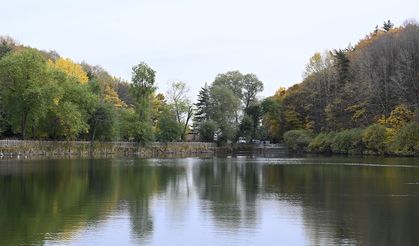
[[31, 148], [69, 149]]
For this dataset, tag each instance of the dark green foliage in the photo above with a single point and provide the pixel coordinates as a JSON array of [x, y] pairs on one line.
[[342, 65], [246, 128], [348, 142], [24, 89], [297, 140], [375, 138], [232, 80], [142, 88], [388, 25], [322, 143], [406, 141], [272, 119], [254, 113], [40, 101], [102, 122], [250, 126], [207, 130], [127, 123], [70, 108], [224, 109], [143, 132], [131, 128], [233, 105], [7, 45], [227, 134], [202, 106], [2, 125], [168, 128], [251, 86]]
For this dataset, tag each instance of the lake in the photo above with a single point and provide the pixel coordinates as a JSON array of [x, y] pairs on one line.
[[239, 200]]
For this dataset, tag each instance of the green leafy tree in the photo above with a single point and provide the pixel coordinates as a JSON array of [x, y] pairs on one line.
[[376, 138], [102, 122], [348, 142], [224, 105], [246, 128], [271, 118], [406, 140], [168, 128], [142, 89], [69, 108], [297, 140], [232, 80], [254, 112], [251, 86], [23, 82], [128, 119], [207, 130], [7, 44]]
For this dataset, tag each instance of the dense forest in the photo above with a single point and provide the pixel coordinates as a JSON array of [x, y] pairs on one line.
[[45, 96], [363, 98]]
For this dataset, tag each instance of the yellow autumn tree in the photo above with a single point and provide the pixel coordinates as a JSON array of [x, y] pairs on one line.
[[111, 96], [399, 117], [70, 68]]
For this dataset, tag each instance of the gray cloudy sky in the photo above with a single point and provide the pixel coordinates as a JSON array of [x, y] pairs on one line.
[[195, 40]]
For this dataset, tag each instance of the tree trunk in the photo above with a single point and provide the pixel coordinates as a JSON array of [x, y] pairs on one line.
[[24, 122]]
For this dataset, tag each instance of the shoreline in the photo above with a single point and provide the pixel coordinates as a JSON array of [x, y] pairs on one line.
[[30, 149], [41, 148]]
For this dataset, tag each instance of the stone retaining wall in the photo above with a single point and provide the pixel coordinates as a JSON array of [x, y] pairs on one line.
[[86, 148]]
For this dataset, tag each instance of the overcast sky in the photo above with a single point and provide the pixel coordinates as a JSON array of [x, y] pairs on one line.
[[195, 40]]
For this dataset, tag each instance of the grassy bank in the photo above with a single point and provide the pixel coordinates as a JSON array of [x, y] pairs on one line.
[[373, 140], [85, 148]]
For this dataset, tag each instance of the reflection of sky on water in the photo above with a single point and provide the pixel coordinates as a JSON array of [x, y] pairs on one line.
[[193, 225], [234, 201]]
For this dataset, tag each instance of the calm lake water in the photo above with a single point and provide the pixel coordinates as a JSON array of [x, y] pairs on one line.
[[210, 201]]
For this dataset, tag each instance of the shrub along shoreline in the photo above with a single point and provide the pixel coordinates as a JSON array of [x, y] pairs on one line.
[[376, 139], [33, 148]]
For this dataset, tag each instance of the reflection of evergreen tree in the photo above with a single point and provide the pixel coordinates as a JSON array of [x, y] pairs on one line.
[[229, 193], [142, 221], [140, 181]]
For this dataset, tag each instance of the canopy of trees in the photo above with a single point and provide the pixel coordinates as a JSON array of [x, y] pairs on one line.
[[375, 81], [229, 108], [356, 86], [45, 96]]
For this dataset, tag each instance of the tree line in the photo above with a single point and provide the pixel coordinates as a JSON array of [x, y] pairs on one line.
[[375, 82], [371, 87], [45, 96]]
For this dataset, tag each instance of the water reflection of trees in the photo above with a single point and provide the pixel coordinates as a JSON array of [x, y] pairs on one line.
[[230, 188], [138, 184], [42, 198], [351, 204], [340, 204]]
